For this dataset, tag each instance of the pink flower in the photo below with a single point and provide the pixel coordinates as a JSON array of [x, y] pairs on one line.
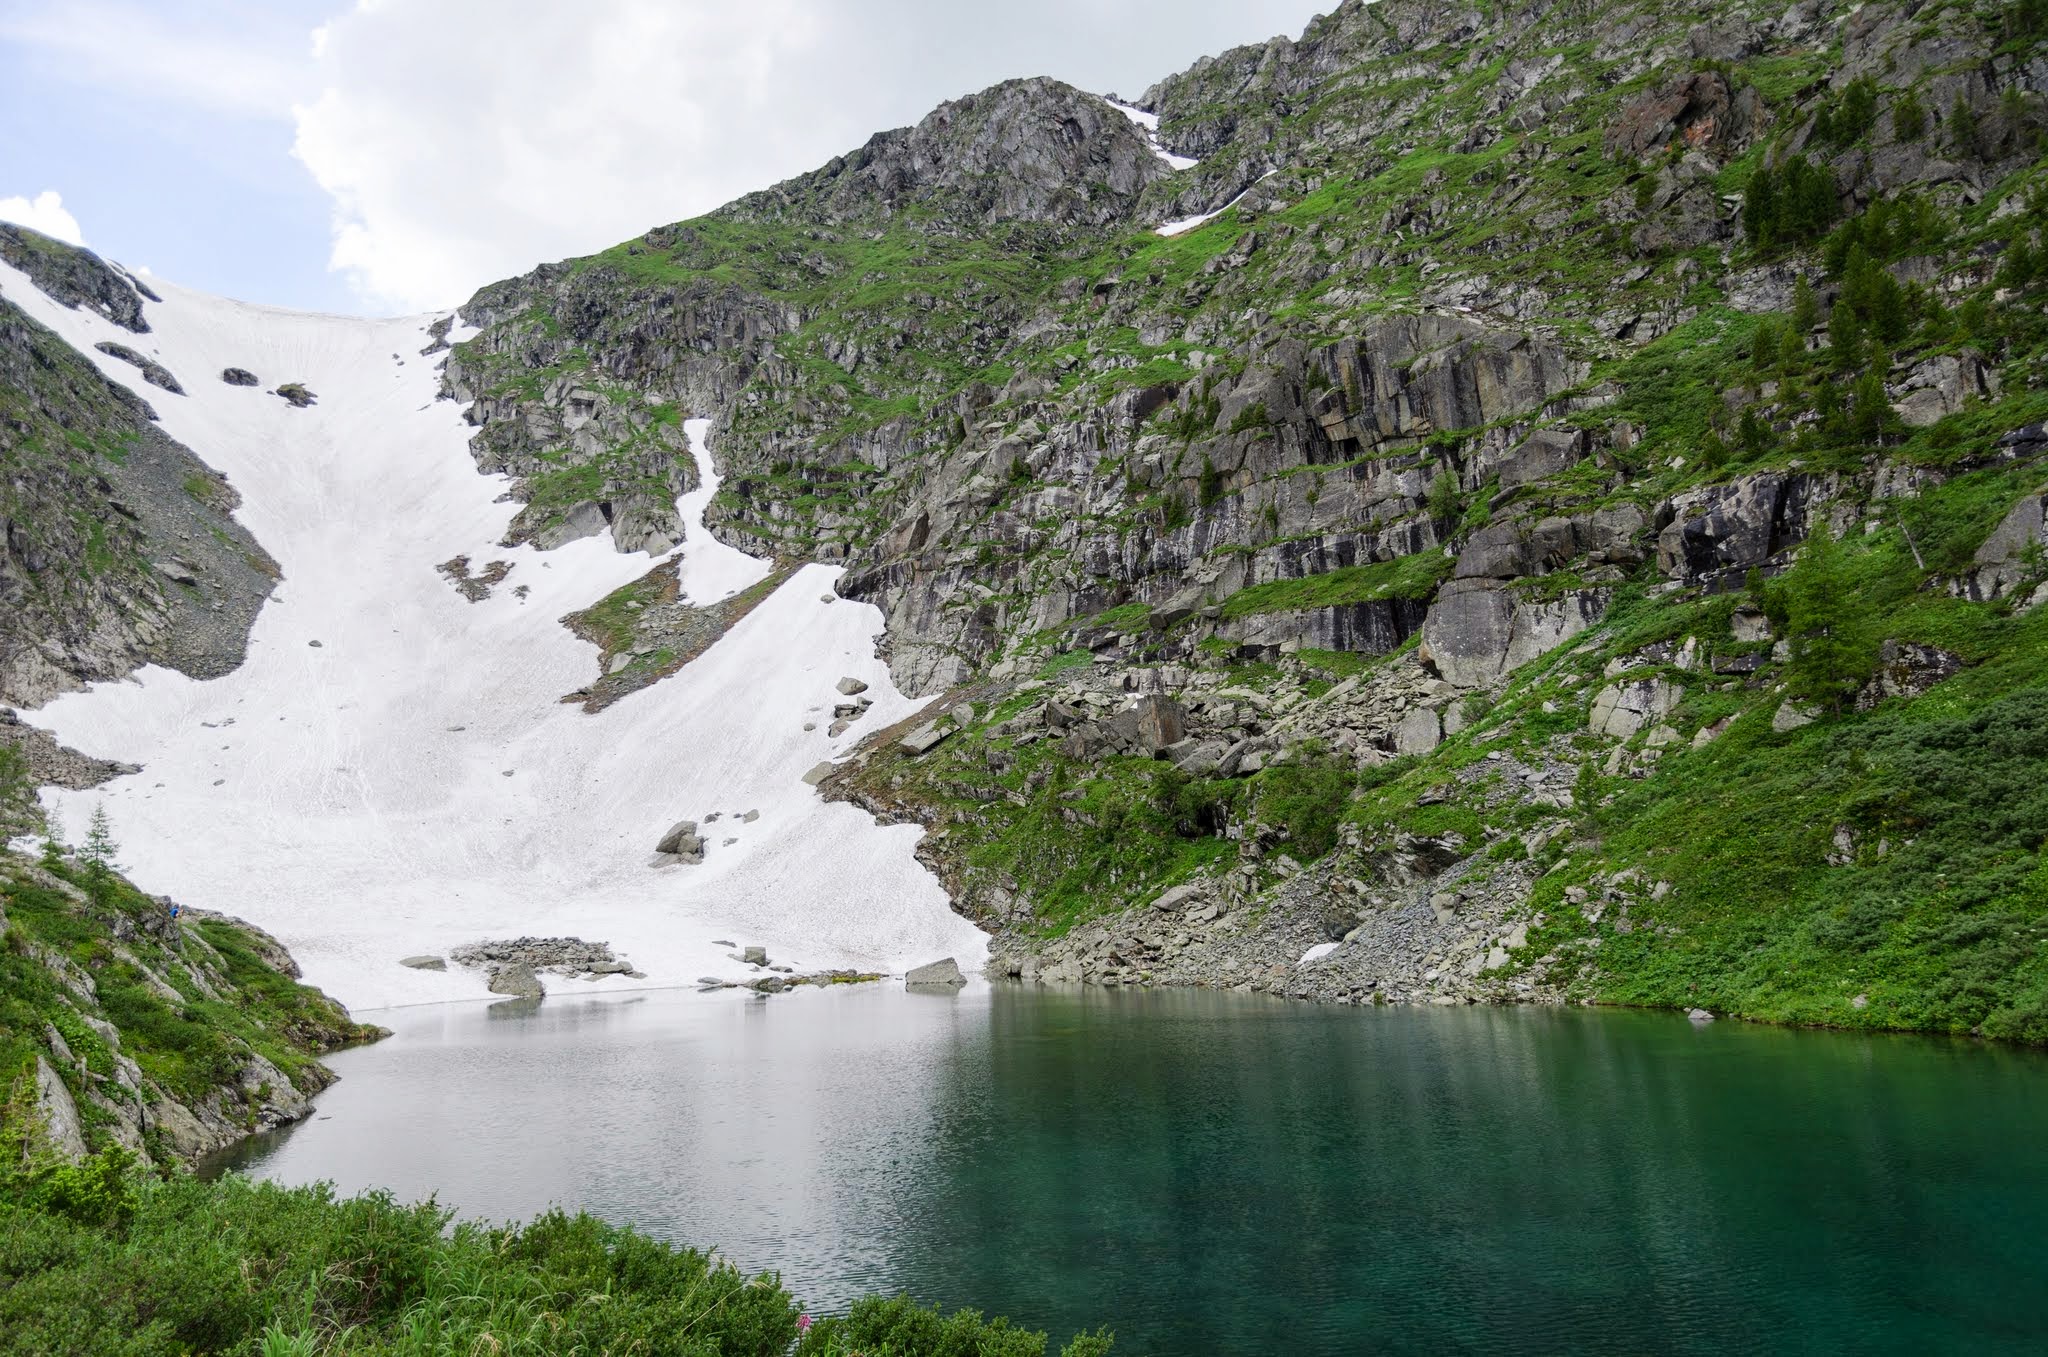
[[803, 1322]]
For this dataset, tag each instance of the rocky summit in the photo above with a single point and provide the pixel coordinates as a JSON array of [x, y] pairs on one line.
[[1513, 502]]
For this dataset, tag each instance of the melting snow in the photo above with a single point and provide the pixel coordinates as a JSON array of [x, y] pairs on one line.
[[1150, 123], [413, 781], [1174, 228]]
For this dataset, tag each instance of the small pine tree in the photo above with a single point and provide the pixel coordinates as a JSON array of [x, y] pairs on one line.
[[1869, 410], [1805, 308], [1765, 345], [97, 856], [1962, 126], [1909, 119], [1792, 351], [1444, 500], [1845, 336], [1829, 662], [1755, 433]]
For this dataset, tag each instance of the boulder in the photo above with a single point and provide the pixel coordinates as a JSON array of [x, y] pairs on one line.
[[1791, 716], [239, 377], [1698, 109], [926, 737], [517, 981], [424, 963], [681, 838], [1478, 630], [1943, 384], [1724, 530], [1418, 732], [2001, 561], [941, 974], [1621, 709], [851, 687], [1749, 625], [61, 1126], [1542, 454], [1196, 758], [153, 372], [819, 772], [1905, 669], [755, 956]]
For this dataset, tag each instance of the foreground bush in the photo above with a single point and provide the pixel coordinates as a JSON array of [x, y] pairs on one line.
[[101, 1260]]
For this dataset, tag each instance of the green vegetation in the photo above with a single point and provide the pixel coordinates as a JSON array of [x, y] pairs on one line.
[[1933, 910], [1415, 576], [1094, 837], [191, 1046], [1790, 204], [99, 1259], [1829, 660]]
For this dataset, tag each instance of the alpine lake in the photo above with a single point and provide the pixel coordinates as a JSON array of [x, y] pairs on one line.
[[1219, 1173]]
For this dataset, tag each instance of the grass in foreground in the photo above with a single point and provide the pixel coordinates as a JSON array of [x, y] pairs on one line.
[[99, 1259]]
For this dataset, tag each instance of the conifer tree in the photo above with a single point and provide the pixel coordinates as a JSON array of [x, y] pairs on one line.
[[1829, 663], [97, 856]]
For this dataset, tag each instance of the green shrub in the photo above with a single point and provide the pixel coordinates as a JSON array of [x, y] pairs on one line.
[[899, 1327], [1306, 798]]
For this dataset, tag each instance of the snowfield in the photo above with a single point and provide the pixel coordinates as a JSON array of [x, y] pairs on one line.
[[393, 772]]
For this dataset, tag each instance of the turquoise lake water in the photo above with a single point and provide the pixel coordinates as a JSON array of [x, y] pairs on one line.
[[1222, 1174]]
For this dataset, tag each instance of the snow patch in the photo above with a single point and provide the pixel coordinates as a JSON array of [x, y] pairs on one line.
[[1185, 224], [1149, 123], [414, 781], [1318, 952], [710, 570]]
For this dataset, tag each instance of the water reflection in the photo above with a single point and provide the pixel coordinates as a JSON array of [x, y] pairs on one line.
[[1210, 1173]]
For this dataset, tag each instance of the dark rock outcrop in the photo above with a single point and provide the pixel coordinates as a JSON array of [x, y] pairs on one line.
[[74, 277], [126, 553]]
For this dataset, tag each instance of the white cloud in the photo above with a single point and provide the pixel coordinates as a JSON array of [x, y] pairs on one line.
[[223, 56], [467, 140], [45, 212], [462, 142]]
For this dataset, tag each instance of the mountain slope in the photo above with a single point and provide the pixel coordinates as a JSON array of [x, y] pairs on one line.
[[1514, 326], [117, 545]]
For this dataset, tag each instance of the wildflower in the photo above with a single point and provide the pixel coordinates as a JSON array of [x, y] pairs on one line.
[[803, 1323]]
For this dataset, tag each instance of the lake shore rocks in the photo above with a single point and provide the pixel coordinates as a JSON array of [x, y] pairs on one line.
[[514, 967]]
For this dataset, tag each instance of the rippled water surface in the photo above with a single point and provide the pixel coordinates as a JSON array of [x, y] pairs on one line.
[[1214, 1174]]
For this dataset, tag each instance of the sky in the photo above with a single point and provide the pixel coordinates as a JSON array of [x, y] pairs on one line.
[[389, 156]]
